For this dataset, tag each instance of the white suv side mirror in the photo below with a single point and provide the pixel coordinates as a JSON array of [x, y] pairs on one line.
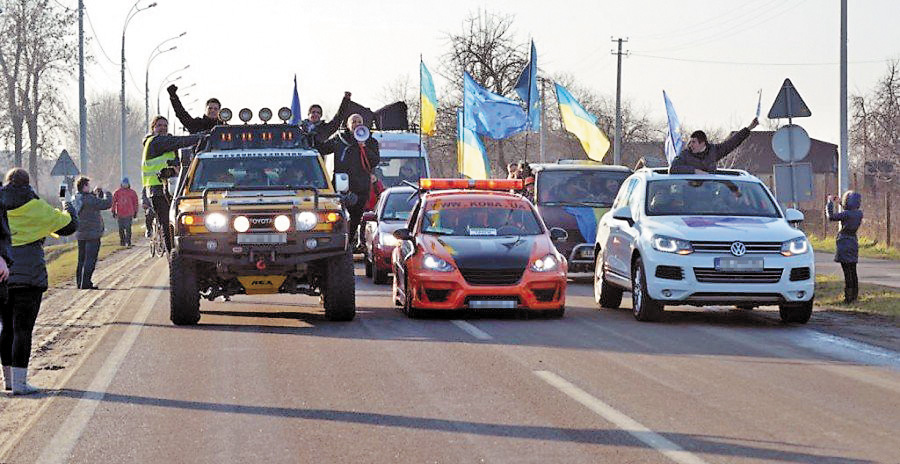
[[623, 213], [341, 182], [792, 215]]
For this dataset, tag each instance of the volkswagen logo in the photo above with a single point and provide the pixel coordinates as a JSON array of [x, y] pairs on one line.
[[738, 249]]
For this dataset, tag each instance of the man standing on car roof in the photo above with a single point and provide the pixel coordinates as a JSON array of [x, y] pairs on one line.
[[193, 125], [317, 127], [700, 156], [159, 154], [356, 159]]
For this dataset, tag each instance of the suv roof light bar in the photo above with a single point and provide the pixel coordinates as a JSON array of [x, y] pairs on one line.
[[476, 184]]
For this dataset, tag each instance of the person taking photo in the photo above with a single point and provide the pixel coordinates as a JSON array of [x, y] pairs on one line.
[[88, 205]]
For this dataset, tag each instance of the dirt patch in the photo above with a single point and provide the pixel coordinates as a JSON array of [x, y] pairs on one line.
[[874, 329]]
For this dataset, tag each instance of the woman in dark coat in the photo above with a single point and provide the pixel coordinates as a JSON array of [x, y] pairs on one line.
[[847, 250]]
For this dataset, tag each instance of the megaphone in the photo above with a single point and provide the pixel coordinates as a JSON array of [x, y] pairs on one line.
[[361, 133]]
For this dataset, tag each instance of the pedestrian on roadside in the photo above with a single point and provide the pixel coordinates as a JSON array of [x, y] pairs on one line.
[[30, 221], [124, 210], [700, 156], [847, 246], [88, 205]]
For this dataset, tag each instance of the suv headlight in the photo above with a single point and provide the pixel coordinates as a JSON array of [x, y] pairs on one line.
[[433, 263], [282, 223], [306, 220], [545, 264], [797, 246], [216, 222], [241, 224], [671, 245], [388, 240]]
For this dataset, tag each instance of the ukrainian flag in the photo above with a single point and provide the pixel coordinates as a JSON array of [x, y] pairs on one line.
[[471, 156], [429, 100], [582, 124]]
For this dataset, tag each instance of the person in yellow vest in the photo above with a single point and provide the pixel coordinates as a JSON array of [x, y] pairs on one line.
[[159, 153], [31, 220]]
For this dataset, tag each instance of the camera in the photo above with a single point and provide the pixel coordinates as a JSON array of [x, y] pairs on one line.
[[62, 190], [166, 173]]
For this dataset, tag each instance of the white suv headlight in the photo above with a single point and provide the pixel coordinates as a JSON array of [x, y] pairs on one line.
[[671, 245], [306, 220], [545, 264], [216, 222], [797, 246], [433, 263]]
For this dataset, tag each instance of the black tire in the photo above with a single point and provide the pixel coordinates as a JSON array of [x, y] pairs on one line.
[[368, 267], [339, 292], [184, 296], [379, 277], [606, 295], [798, 313], [556, 313], [411, 311], [646, 309]]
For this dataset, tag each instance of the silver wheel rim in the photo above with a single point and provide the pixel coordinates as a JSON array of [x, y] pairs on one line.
[[638, 291], [598, 279]]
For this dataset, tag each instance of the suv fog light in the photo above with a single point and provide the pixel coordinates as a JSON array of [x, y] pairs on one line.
[[241, 224], [801, 294], [211, 245], [311, 243], [667, 293], [282, 223]]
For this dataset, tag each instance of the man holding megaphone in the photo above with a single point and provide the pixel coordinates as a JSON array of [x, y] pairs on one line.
[[356, 154]]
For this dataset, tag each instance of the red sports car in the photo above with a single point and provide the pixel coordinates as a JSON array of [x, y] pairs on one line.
[[391, 213], [470, 244]]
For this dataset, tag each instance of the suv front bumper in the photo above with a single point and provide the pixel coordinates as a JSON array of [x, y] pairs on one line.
[[693, 279], [225, 250]]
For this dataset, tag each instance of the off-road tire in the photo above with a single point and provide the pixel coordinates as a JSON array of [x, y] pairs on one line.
[[339, 292], [184, 296], [797, 312], [606, 295], [645, 309], [379, 276]]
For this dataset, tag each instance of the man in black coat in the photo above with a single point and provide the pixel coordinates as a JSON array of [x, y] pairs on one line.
[[700, 156], [357, 160], [317, 127], [192, 124]]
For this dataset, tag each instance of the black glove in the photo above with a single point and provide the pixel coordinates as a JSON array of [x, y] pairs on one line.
[[166, 173], [172, 89]]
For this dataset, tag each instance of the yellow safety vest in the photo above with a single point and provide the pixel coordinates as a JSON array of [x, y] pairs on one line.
[[150, 167], [35, 220]]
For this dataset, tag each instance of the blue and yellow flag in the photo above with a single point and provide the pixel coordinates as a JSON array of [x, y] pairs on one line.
[[296, 110], [429, 100], [490, 114], [471, 156], [583, 124]]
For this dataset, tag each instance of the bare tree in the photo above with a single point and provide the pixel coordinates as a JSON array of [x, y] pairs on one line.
[[875, 126], [404, 89]]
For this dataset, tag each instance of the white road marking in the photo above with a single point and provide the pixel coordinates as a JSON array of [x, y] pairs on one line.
[[472, 330], [60, 447], [633, 427]]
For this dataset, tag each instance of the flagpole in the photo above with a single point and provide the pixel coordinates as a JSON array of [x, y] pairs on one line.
[[420, 104], [542, 82]]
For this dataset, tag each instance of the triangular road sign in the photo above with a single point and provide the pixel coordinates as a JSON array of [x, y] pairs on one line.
[[788, 103], [64, 166]]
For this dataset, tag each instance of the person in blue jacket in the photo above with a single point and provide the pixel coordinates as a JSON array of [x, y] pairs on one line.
[[847, 250]]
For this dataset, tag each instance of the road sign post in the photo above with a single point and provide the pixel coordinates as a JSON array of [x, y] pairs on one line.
[[791, 143]]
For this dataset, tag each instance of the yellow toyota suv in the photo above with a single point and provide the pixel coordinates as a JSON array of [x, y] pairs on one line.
[[254, 213]]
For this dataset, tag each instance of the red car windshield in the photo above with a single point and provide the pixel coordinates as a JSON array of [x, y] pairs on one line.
[[475, 217]]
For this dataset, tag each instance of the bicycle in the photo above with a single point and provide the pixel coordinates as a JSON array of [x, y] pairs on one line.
[[157, 240]]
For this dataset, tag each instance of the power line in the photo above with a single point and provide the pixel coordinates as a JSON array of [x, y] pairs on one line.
[[757, 63], [97, 38], [680, 31]]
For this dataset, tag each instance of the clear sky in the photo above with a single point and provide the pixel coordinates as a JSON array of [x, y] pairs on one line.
[[246, 52]]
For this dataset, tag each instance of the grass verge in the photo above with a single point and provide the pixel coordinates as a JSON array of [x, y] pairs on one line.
[[875, 299], [868, 248], [62, 260]]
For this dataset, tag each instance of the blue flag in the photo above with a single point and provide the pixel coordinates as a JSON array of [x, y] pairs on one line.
[[527, 89], [490, 114], [296, 111], [673, 138]]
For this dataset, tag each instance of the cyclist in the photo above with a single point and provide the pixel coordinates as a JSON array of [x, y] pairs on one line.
[[159, 154]]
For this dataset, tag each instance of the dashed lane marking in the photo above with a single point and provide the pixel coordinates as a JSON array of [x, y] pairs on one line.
[[633, 427], [63, 442], [472, 330]]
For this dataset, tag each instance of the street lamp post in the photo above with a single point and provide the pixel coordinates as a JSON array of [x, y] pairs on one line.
[[165, 81], [155, 53], [134, 10]]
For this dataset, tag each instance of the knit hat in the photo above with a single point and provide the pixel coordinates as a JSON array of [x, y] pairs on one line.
[[126, 182]]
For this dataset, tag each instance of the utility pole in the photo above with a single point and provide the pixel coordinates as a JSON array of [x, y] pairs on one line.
[[617, 146], [82, 103], [843, 162], [543, 119]]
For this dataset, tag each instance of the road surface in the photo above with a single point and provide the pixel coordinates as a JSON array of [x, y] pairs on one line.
[[267, 379]]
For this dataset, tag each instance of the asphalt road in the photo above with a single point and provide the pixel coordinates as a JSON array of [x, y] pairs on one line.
[[267, 379], [872, 271]]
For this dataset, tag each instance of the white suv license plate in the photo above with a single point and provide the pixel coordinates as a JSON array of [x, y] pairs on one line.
[[740, 264], [493, 304], [262, 238]]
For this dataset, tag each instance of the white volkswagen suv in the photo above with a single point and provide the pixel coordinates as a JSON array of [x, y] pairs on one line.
[[702, 239]]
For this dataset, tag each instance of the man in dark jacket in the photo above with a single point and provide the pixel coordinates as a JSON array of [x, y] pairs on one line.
[[317, 127], [159, 154], [30, 221], [88, 205], [356, 159], [700, 156], [193, 125], [847, 245]]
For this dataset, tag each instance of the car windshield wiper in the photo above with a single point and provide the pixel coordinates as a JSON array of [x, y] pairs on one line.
[[559, 203], [437, 232]]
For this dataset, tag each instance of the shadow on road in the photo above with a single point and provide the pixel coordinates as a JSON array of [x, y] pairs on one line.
[[716, 445]]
